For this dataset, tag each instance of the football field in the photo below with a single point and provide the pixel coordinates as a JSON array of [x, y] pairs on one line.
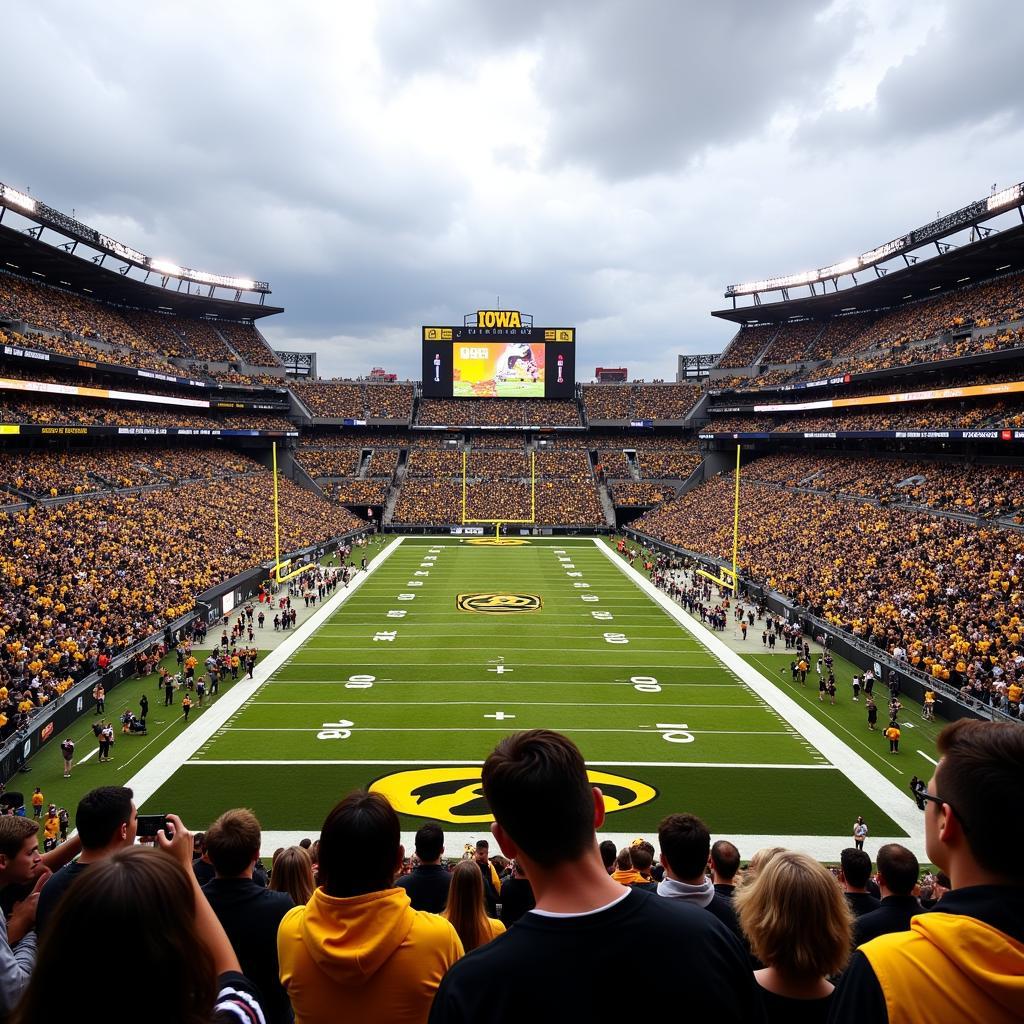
[[405, 682]]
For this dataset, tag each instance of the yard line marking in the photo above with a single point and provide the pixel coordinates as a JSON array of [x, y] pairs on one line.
[[644, 730], [482, 703], [153, 775], [480, 682], [927, 758], [470, 761], [871, 782]]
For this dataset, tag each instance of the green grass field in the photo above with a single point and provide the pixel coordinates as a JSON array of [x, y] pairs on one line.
[[401, 690]]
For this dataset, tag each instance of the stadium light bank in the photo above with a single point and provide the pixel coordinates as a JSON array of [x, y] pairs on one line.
[[45, 216], [969, 216]]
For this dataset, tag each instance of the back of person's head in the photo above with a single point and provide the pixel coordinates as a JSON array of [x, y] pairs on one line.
[[608, 854], [142, 901], [429, 842], [14, 830], [293, 873], [465, 906], [856, 865], [725, 859], [899, 868], [101, 813], [979, 775], [233, 842], [642, 857], [795, 917], [537, 787], [761, 859], [685, 844], [359, 845]]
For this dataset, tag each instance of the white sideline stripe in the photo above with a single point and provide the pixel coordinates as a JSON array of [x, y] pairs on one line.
[[869, 780], [153, 775], [590, 764], [821, 848], [927, 758], [92, 753]]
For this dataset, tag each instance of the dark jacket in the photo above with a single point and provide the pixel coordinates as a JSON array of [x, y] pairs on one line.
[[892, 916], [250, 915], [427, 886]]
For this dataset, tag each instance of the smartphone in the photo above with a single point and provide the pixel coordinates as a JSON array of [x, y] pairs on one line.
[[147, 825]]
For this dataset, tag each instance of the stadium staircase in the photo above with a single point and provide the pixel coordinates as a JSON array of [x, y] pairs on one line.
[[633, 463], [607, 505], [396, 488], [365, 459]]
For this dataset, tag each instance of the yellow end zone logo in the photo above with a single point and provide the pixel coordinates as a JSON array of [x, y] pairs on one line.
[[500, 542], [498, 604], [456, 794]]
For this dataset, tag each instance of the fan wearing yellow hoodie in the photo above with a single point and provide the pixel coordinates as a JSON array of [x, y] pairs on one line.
[[963, 963], [357, 950]]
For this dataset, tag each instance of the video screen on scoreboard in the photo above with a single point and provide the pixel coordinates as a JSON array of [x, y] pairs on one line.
[[513, 368]]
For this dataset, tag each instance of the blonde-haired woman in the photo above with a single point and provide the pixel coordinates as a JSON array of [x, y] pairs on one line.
[[465, 907], [799, 926], [292, 873]]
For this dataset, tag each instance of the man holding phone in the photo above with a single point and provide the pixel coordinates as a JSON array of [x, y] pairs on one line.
[[106, 822]]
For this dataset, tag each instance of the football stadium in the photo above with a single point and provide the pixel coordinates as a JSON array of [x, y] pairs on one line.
[[754, 606]]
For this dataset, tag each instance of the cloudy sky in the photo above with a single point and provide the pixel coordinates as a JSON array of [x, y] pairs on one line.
[[608, 165]]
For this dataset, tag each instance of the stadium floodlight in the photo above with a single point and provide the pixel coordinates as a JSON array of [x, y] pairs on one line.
[[16, 198], [245, 284], [165, 267], [846, 266]]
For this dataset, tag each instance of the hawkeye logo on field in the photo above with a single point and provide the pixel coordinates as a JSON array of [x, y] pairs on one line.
[[498, 604], [456, 794], [500, 542]]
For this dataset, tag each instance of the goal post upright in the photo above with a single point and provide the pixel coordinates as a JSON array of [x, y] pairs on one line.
[[498, 523], [729, 578]]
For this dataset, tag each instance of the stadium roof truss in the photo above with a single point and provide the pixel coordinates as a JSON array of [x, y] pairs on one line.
[[77, 258], [953, 250]]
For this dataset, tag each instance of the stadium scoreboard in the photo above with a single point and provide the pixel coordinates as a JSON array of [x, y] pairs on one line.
[[499, 354]]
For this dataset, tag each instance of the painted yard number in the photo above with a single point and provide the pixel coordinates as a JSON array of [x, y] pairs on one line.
[[336, 730], [360, 682], [603, 615], [589, 597], [385, 634], [675, 733], [615, 638], [396, 613], [645, 684]]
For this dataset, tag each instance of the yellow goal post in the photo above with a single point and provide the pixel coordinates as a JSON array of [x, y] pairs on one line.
[[728, 578], [498, 523]]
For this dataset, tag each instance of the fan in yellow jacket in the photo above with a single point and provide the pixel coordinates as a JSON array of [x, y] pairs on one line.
[[363, 956]]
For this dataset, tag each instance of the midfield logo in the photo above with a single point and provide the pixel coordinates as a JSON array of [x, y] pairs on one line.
[[498, 604], [456, 794]]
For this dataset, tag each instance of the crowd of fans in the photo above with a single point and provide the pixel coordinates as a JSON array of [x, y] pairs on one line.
[[96, 412], [631, 493], [389, 401], [321, 462], [639, 401], [349, 927], [353, 491], [246, 340], [44, 474], [332, 399], [978, 489], [83, 580], [945, 591], [384, 462], [870, 341], [747, 345], [498, 412]]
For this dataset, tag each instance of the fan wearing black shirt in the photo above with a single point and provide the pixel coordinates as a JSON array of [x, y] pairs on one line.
[[428, 883], [563, 959]]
